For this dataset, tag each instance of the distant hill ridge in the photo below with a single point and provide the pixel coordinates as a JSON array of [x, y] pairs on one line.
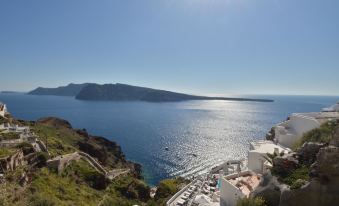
[[69, 90], [124, 92]]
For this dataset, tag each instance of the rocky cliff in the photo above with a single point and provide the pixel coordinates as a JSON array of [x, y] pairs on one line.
[[11, 162], [28, 179], [312, 172], [124, 92], [323, 189], [69, 90], [107, 152]]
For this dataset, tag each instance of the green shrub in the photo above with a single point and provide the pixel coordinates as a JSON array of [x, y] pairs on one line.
[[9, 136], [257, 201], [6, 152], [42, 158], [116, 201], [63, 191], [323, 134], [131, 188], [301, 173], [297, 184], [39, 200], [2, 120], [26, 147], [109, 202], [143, 190], [166, 188], [83, 172], [58, 141]]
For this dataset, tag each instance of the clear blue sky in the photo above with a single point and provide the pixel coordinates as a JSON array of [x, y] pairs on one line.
[[194, 46]]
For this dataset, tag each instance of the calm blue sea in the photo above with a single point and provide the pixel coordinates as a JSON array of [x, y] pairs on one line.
[[213, 130]]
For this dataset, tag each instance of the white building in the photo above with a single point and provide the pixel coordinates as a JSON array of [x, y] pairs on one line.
[[238, 185], [257, 155], [333, 108], [291, 131], [3, 109]]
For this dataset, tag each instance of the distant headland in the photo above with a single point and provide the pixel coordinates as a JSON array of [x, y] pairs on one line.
[[69, 90], [124, 92], [10, 92]]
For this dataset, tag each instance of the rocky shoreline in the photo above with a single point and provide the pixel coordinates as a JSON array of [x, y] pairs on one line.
[[107, 152]]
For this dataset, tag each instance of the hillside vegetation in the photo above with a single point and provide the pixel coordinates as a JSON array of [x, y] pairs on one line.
[[323, 134], [79, 183], [309, 174]]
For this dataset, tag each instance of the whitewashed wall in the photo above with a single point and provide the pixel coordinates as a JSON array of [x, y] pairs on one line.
[[229, 194], [291, 131]]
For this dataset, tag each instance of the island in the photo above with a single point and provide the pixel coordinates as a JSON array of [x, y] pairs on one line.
[[10, 92], [125, 92], [69, 90]]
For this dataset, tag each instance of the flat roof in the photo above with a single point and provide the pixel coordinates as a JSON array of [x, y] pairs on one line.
[[246, 182], [266, 146], [319, 115]]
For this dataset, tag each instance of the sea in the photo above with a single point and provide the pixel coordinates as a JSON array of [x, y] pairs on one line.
[[171, 139]]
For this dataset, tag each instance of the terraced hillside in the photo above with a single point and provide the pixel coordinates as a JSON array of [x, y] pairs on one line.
[[79, 182]]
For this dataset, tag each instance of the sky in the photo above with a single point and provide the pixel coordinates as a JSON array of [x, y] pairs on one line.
[[195, 46]]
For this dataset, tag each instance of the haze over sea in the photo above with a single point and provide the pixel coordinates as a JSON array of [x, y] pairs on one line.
[[214, 131]]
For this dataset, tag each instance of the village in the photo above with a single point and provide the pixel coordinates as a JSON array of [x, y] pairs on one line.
[[225, 184]]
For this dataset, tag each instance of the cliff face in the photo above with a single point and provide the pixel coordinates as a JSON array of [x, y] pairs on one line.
[[69, 90], [13, 161], [91, 170], [124, 92], [323, 188], [107, 152]]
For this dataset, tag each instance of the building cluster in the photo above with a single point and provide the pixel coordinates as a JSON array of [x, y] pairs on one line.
[[3, 109], [11, 136], [240, 179]]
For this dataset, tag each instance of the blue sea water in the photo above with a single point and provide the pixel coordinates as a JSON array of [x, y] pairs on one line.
[[214, 131]]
